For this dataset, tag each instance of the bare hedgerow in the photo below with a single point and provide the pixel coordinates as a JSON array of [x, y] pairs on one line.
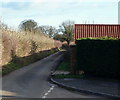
[[22, 43]]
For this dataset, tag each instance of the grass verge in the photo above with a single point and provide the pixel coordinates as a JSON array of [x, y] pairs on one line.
[[68, 76], [18, 62], [64, 66]]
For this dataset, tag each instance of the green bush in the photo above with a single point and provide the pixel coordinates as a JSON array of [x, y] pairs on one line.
[[99, 57]]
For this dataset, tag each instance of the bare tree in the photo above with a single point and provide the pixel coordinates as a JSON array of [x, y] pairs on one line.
[[67, 28], [48, 30], [28, 25]]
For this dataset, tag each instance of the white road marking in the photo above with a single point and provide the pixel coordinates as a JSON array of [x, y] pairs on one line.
[[44, 97], [46, 94], [52, 87], [49, 91]]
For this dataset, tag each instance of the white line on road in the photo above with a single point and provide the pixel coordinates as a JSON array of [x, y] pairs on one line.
[[49, 91], [46, 94], [44, 97], [52, 87]]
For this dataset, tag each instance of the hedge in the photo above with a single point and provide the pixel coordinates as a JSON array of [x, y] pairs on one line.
[[99, 57]]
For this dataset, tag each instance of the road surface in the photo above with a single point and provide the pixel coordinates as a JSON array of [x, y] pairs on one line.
[[32, 82]]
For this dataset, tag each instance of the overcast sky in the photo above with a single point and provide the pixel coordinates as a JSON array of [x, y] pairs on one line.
[[54, 12]]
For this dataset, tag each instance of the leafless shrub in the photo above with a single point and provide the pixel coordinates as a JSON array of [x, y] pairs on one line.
[[21, 43]]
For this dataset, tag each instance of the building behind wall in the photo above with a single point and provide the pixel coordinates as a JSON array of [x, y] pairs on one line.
[[96, 30], [119, 12]]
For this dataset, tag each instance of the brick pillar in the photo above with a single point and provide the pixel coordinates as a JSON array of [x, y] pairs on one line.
[[73, 59]]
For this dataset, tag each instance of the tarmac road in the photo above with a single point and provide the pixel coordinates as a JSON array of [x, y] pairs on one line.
[[32, 82]]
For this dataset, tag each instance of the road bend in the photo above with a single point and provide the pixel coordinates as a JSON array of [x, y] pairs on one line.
[[32, 81]]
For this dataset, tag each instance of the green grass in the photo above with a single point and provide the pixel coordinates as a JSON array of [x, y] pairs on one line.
[[9, 68], [18, 63], [68, 76], [64, 66]]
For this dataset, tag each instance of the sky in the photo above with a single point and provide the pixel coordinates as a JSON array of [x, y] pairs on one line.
[[54, 12]]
